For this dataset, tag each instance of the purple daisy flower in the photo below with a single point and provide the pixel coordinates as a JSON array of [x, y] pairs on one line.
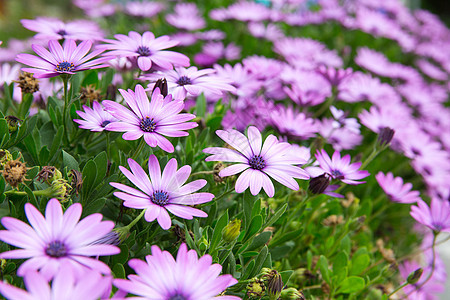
[[147, 50], [436, 217], [57, 240], [396, 190], [183, 82], [186, 278], [54, 29], [338, 168], [162, 193], [186, 17], [257, 161], [95, 118], [64, 286], [66, 59], [151, 119]]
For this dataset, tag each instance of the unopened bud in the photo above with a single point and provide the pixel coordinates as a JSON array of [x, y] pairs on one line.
[[292, 294], [318, 185], [5, 156], [231, 231], [385, 136], [115, 238], [162, 85], [204, 244], [274, 286], [61, 190], [13, 123], [256, 288], [414, 276], [357, 223]]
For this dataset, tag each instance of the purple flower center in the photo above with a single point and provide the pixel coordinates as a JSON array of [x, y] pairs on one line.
[[437, 226], [148, 125], [64, 67], [56, 249], [184, 80], [62, 32], [337, 174], [257, 162], [160, 198], [143, 51], [177, 297], [104, 123]]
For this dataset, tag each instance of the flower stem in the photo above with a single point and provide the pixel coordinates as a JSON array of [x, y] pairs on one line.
[[139, 149], [47, 192], [398, 289], [202, 172], [65, 79], [128, 227]]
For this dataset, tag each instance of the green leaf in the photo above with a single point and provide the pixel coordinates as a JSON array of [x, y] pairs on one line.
[[286, 275], [121, 257], [89, 175], [275, 216], [90, 78], [44, 155], [248, 270], [359, 264], [286, 237], [119, 271], [31, 196], [248, 203], [200, 107], [57, 142], [351, 284], [94, 206], [101, 161], [31, 148], [69, 162], [259, 261], [323, 267], [340, 261], [217, 233], [4, 132], [255, 226], [259, 240]]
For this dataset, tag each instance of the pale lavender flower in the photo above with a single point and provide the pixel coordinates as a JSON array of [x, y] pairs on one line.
[[57, 241], [92, 285], [184, 82], [292, 123], [307, 87], [95, 118], [152, 119], [426, 291], [66, 59], [338, 168], [162, 193], [270, 32], [187, 277], [143, 9], [339, 137], [431, 70], [396, 190], [436, 216], [186, 17], [258, 161], [96, 8], [146, 49], [334, 76], [341, 120], [248, 12], [55, 29]]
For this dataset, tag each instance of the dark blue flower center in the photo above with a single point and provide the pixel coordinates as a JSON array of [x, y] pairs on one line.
[[62, 32], [437, 226], [177, 297], [160, 198], [257, 162], [64, 67], [337, 174], [104, 123], [143, 51], [56, 249], [184, 80], [148, 125]]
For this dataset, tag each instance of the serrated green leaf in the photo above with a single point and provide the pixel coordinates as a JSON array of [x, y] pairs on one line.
[[285, 276]]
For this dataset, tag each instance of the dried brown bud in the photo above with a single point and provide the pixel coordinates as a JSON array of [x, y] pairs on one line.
[[319, 184], [76, 180], [89, 94], [349, 198], [14, 172], [46, 173], [217, 168], [27, 83], [162, 85], [333, 220], [325, 288]]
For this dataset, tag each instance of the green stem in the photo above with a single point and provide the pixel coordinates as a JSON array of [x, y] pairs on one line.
[[202, 172], [129, 226], [65, 79], [397, 289], [370, 158], [36, 193], [108, 154], [224, 194], [139, 149]]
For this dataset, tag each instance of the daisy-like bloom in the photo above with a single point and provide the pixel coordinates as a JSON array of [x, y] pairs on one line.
[[436, 216], [184, 82], [257, 161], [95, 118], [55, 29], [92, 285], [338, 168], [186, 278], [66, 59], [186, 17], [292, 123], [334, 76], [396, 190], [57, 241], [162, 193], [152, 119], [146, 49], [143, 9]]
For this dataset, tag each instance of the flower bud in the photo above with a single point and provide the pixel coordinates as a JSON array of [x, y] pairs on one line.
[[48, 174], [13, 123], [203, 244], [256, 288], [274, 286], [385, 136], [291, 294], [414, 277], [61, 190], [231, 231], [76, 180], [115, 238], [162, 85], [318, 185], [5, 156]]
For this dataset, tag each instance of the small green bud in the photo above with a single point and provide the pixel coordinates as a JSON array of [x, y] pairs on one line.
[[61, 190], [291, 294], [5, 156], [13, 123], [231, 231], [256, 288], [414, 276], [356, 224], [203, 244]]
